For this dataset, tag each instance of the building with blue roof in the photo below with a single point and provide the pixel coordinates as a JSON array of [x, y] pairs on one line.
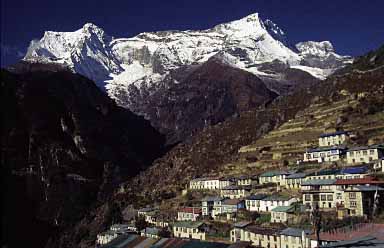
[[324, 154]]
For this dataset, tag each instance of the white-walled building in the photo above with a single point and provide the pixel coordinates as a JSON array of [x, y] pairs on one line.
[[190, 230], [333, 139], [252, 202], [282, 214], [188, 214], [209, 183], [208, 203], [235, 192], [324, 154], [106, 237], [272, 201], [365, 154]]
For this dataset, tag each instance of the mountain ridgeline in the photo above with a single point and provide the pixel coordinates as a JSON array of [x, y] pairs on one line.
[[65, 147], [142, 73]]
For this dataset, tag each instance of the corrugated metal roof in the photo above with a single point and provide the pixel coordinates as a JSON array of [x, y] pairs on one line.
[[285, 209], [319, 182], [295, 232]]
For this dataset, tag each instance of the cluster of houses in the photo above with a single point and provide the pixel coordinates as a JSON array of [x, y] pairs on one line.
[[346, 191], [332, 148]]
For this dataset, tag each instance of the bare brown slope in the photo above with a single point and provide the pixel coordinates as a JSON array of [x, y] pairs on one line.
[[208, 95]]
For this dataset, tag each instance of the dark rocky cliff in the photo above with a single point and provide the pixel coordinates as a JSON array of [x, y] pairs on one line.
[[65, 147]]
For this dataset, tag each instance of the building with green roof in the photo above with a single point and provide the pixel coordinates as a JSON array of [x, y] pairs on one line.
[[190, 230], [282, 214]]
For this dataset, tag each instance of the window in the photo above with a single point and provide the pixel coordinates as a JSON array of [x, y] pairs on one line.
[[322, 197], [365, 152], [330, 197], [371, 152], [307, 197], [353, 204]]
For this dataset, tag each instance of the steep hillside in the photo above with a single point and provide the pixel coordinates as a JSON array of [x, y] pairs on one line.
[[356, 96], [208, 94], [65, 145]]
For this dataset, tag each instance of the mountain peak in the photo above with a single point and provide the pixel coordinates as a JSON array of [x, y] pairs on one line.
[[92, 28], [248, 25], [321, 48]]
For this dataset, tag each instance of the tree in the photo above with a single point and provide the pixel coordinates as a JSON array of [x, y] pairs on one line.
[[140, 222], [316, 223], [164, 233]]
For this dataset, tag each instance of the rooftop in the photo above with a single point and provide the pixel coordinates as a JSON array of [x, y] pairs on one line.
[[354, 232], [319, 182], [323, 149], [295, 232], [151, 230], [277, 198], [236, 187], [285, 209], [378, 146], [333, 134], [262, 230], [189, 224], [354, 170], [256, 197], [231, 202], [357, 181], [296, 175], [325, 172], [365, 188], [212, 198], [242, 224], [196, 210], [367, 242]]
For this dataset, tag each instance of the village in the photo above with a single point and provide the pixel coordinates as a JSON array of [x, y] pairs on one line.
[[333, 195]]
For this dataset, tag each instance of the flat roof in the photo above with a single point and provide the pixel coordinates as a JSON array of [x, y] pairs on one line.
[[295, 232], [190, 224], [319, 182], [333, 134], [284, 209]]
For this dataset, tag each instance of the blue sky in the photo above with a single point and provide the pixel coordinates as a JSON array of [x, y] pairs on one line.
[[353, 26]]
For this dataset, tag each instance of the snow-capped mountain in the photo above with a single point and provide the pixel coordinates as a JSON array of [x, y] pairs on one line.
[[148, 57], [134, 69]]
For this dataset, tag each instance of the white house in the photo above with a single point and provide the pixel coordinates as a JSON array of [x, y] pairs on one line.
[[188, 214], [208, 203], [209, 183], [278, 177], [190, 230], [324, 154], [235, 192], [295, 238], [272, 201], [150, 232], [282, 214], [227, 206], [123, 228], [106, 237], [252, 202], [365, 154], [333, 139]]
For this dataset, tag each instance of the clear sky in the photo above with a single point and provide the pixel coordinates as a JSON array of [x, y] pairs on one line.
[[353, 26]]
